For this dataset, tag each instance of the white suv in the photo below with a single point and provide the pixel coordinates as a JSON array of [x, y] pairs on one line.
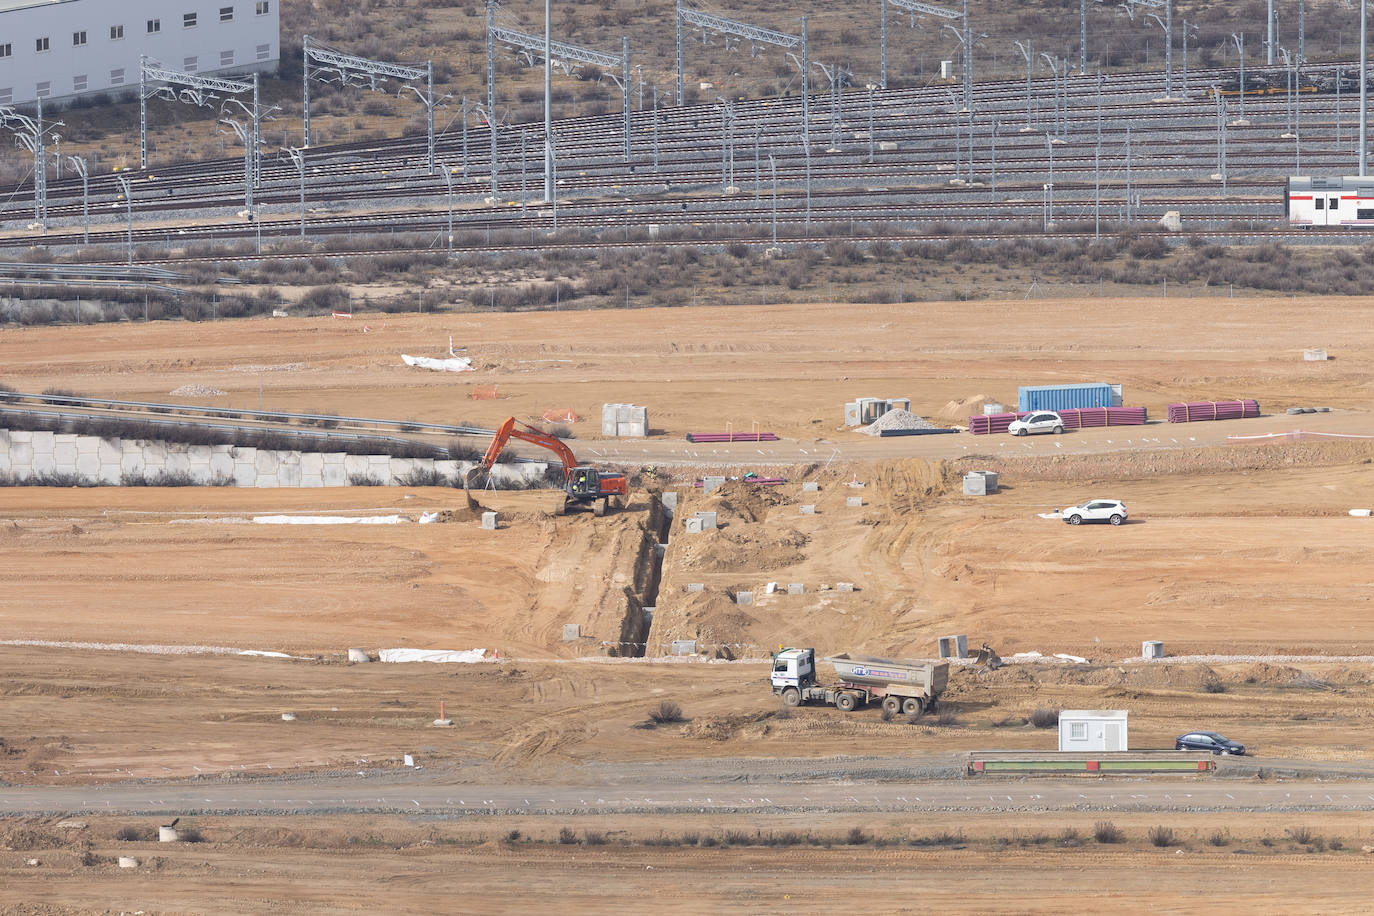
[[1040, 421], [1096, 510]]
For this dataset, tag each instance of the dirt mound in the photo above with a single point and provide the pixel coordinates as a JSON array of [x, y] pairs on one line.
[[472, 513], [723, 728], [1265, 673], [744, 501], [747, 547], [961, 409]]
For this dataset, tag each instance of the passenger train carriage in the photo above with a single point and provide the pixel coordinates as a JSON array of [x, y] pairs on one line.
[[1345, 201]]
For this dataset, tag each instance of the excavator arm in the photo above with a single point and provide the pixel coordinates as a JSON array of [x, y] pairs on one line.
[[508, 431]]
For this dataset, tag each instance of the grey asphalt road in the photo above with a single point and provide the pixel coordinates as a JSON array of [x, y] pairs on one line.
[[420, 794], [844, 445]]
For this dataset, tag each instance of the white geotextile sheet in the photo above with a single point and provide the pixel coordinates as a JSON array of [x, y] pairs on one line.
[[328, 520], [431, 655], [452, 364]]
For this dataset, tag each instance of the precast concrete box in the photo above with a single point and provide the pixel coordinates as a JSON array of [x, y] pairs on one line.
[[572, 631], [684, 647], [624, 420], [744, 597], [1152, 648], [710, 484], [707, 519], [1092, 730], [953, 646]]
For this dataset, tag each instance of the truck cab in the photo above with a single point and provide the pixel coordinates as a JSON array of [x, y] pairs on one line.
[[794, 668]]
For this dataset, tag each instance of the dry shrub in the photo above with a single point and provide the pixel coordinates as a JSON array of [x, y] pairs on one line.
[[1108, 832], [1044, 718], [1161, 836], [666, 713]]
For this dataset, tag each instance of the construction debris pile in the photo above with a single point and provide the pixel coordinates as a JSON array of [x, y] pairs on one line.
[[197, 391]]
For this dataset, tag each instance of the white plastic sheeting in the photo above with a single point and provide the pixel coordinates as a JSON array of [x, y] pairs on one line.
[[454, 363], [328, 520], [432, 655]]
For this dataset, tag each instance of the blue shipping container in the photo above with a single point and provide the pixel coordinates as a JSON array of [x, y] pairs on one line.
[[1064, 397]]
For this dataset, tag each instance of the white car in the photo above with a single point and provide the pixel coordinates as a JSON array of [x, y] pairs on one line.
[[1039, 421], [1112, 511]]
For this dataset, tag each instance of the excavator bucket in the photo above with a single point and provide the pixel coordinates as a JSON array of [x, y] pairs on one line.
[[988, 658]]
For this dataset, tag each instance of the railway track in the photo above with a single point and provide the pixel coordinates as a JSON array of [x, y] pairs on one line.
[[930, 162]]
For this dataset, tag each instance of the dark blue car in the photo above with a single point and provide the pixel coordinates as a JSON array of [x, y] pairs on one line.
[[1208, 741]]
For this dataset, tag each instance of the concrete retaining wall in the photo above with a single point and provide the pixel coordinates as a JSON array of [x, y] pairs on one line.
[[24, 454]]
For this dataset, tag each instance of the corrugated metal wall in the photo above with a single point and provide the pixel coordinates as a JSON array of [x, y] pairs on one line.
[[1064, 397]]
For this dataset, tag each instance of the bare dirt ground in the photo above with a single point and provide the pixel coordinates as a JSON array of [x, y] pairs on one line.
[[1232, 551]]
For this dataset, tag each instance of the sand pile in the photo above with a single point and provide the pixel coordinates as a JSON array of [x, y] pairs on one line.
[[197, 391], [897, 419], [960, 409]]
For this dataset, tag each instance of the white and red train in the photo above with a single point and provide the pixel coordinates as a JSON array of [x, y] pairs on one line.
[[1347, 201]]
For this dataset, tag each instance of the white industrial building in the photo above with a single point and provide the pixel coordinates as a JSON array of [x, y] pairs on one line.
[[62, 49], [1092, 730]]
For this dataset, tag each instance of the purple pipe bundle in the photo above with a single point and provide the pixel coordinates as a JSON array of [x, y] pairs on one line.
[[732, 437], [1075, 418], [1196, 411]]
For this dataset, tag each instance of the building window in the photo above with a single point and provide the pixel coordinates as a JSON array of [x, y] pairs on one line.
[[117, 77], [79, 83], [264, 7], [188, 20], [154, 25], [1078, 731], [78, 39], [6, 49], [226, 14], [44, 89], [264, 52], [41, 45], [116, 32], [189, 64], [1364, 214], [6, 96], [226, 58]]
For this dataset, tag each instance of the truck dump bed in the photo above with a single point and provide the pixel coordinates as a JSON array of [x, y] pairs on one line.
[[879, 672]]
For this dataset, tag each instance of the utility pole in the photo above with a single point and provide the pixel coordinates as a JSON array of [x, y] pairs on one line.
[[79, 166], [129, 205], [297, 157]]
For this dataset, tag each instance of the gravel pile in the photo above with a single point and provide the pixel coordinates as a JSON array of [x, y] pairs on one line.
[[197, 391], [897, 419]]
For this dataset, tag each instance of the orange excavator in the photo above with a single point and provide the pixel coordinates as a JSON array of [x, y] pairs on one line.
[[581, 483]]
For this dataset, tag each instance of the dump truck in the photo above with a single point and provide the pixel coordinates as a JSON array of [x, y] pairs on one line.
[[911, 687]]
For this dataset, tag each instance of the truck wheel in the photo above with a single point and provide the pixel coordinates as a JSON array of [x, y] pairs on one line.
[[791, 697], [846, 702], [892, 704], [911, 706]]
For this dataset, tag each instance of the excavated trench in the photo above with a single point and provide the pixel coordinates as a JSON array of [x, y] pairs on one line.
[[642, 596]]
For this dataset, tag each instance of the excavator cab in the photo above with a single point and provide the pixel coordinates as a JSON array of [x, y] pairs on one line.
[[584, 483]]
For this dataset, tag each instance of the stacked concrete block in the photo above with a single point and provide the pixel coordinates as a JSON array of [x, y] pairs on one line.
[[44, 445], [289, 472], [744, 598], [87, 456], [379, 467], [489, 521], [335, 469], [397, 468], [265, 463], [64, 453], [624, 420], [312, 469], [796, 588]]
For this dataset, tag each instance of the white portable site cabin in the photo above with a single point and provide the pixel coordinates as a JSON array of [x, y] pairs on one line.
[[1092, 730]]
